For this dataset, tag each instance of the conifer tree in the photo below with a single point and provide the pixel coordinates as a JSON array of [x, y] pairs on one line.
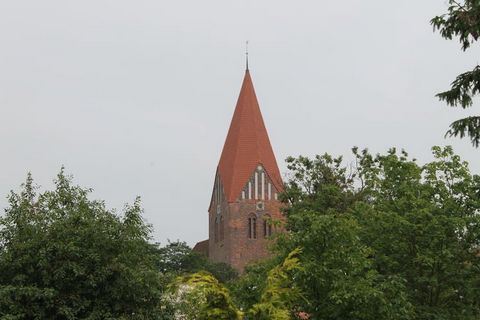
[[462, 21]]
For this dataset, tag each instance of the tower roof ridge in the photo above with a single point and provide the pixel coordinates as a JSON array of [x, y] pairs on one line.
[[247, 145]]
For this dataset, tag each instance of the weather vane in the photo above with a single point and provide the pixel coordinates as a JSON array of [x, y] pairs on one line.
[[246, 53]]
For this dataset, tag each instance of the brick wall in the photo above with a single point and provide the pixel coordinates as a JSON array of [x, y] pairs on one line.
[[237, 249]]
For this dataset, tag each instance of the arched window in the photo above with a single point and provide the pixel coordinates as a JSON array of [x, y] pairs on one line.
[[252, 227], [267, 226], [222, 232], [215, 230]]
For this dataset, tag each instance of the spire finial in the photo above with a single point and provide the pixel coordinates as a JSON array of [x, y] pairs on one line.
[[246, 54]]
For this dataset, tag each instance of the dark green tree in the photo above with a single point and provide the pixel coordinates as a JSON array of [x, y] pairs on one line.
[[247, 289], [64, 256], [462, 21], [385, 238], [177, 258], [423, 225]]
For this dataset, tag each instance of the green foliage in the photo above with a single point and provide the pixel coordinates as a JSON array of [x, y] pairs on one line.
[[396, 240], [318, 183], [280, 293], [177, 258], [221, 271], [248, 288], [63, 256], [201, 297], [462, 21], [427, 230], [338, 279], [466, 127]]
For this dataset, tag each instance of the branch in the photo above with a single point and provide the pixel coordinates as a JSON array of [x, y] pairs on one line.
[[469, 126]]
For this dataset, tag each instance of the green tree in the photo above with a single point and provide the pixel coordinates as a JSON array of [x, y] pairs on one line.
[[177, 258], [385, 238], [247, 289], [280, 295], [338, 278], [423, 224], [200, 296], [64, 256], [463, 21]]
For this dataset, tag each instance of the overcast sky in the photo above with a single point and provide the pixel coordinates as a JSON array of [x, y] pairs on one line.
[[135, 97]]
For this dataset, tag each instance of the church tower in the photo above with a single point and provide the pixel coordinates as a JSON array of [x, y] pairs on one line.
[[245, 192]]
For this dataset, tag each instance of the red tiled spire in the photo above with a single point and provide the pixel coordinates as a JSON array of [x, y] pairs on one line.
[[247, 145]]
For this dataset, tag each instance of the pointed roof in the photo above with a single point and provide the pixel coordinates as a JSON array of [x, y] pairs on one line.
[[247, 145]]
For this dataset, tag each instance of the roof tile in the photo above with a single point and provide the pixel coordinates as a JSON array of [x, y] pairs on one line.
[[247, 145]]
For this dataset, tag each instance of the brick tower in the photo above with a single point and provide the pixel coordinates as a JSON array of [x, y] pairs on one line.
[[246, 187]]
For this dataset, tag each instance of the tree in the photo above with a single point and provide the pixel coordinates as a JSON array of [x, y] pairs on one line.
[[177, 258], [338, 278], [64, 256], [248, 288], [423, 224], [280, 294], [385, 238], [463, 21], [200, 296]]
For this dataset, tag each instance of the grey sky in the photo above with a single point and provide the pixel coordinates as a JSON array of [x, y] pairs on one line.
[[135, 97]]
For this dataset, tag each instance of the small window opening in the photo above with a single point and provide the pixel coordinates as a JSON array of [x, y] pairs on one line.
[[252, 228], [222, 232], [267, 227]]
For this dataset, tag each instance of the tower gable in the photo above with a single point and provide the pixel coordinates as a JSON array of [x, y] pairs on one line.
[[259, 186]]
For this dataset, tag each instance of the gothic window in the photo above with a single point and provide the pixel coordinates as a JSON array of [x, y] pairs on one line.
[[259, 187], [215, 230], [222, 232], [252, 227], [267, 227]]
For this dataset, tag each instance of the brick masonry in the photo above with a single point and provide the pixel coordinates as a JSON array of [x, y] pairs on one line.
[[237, 249]]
